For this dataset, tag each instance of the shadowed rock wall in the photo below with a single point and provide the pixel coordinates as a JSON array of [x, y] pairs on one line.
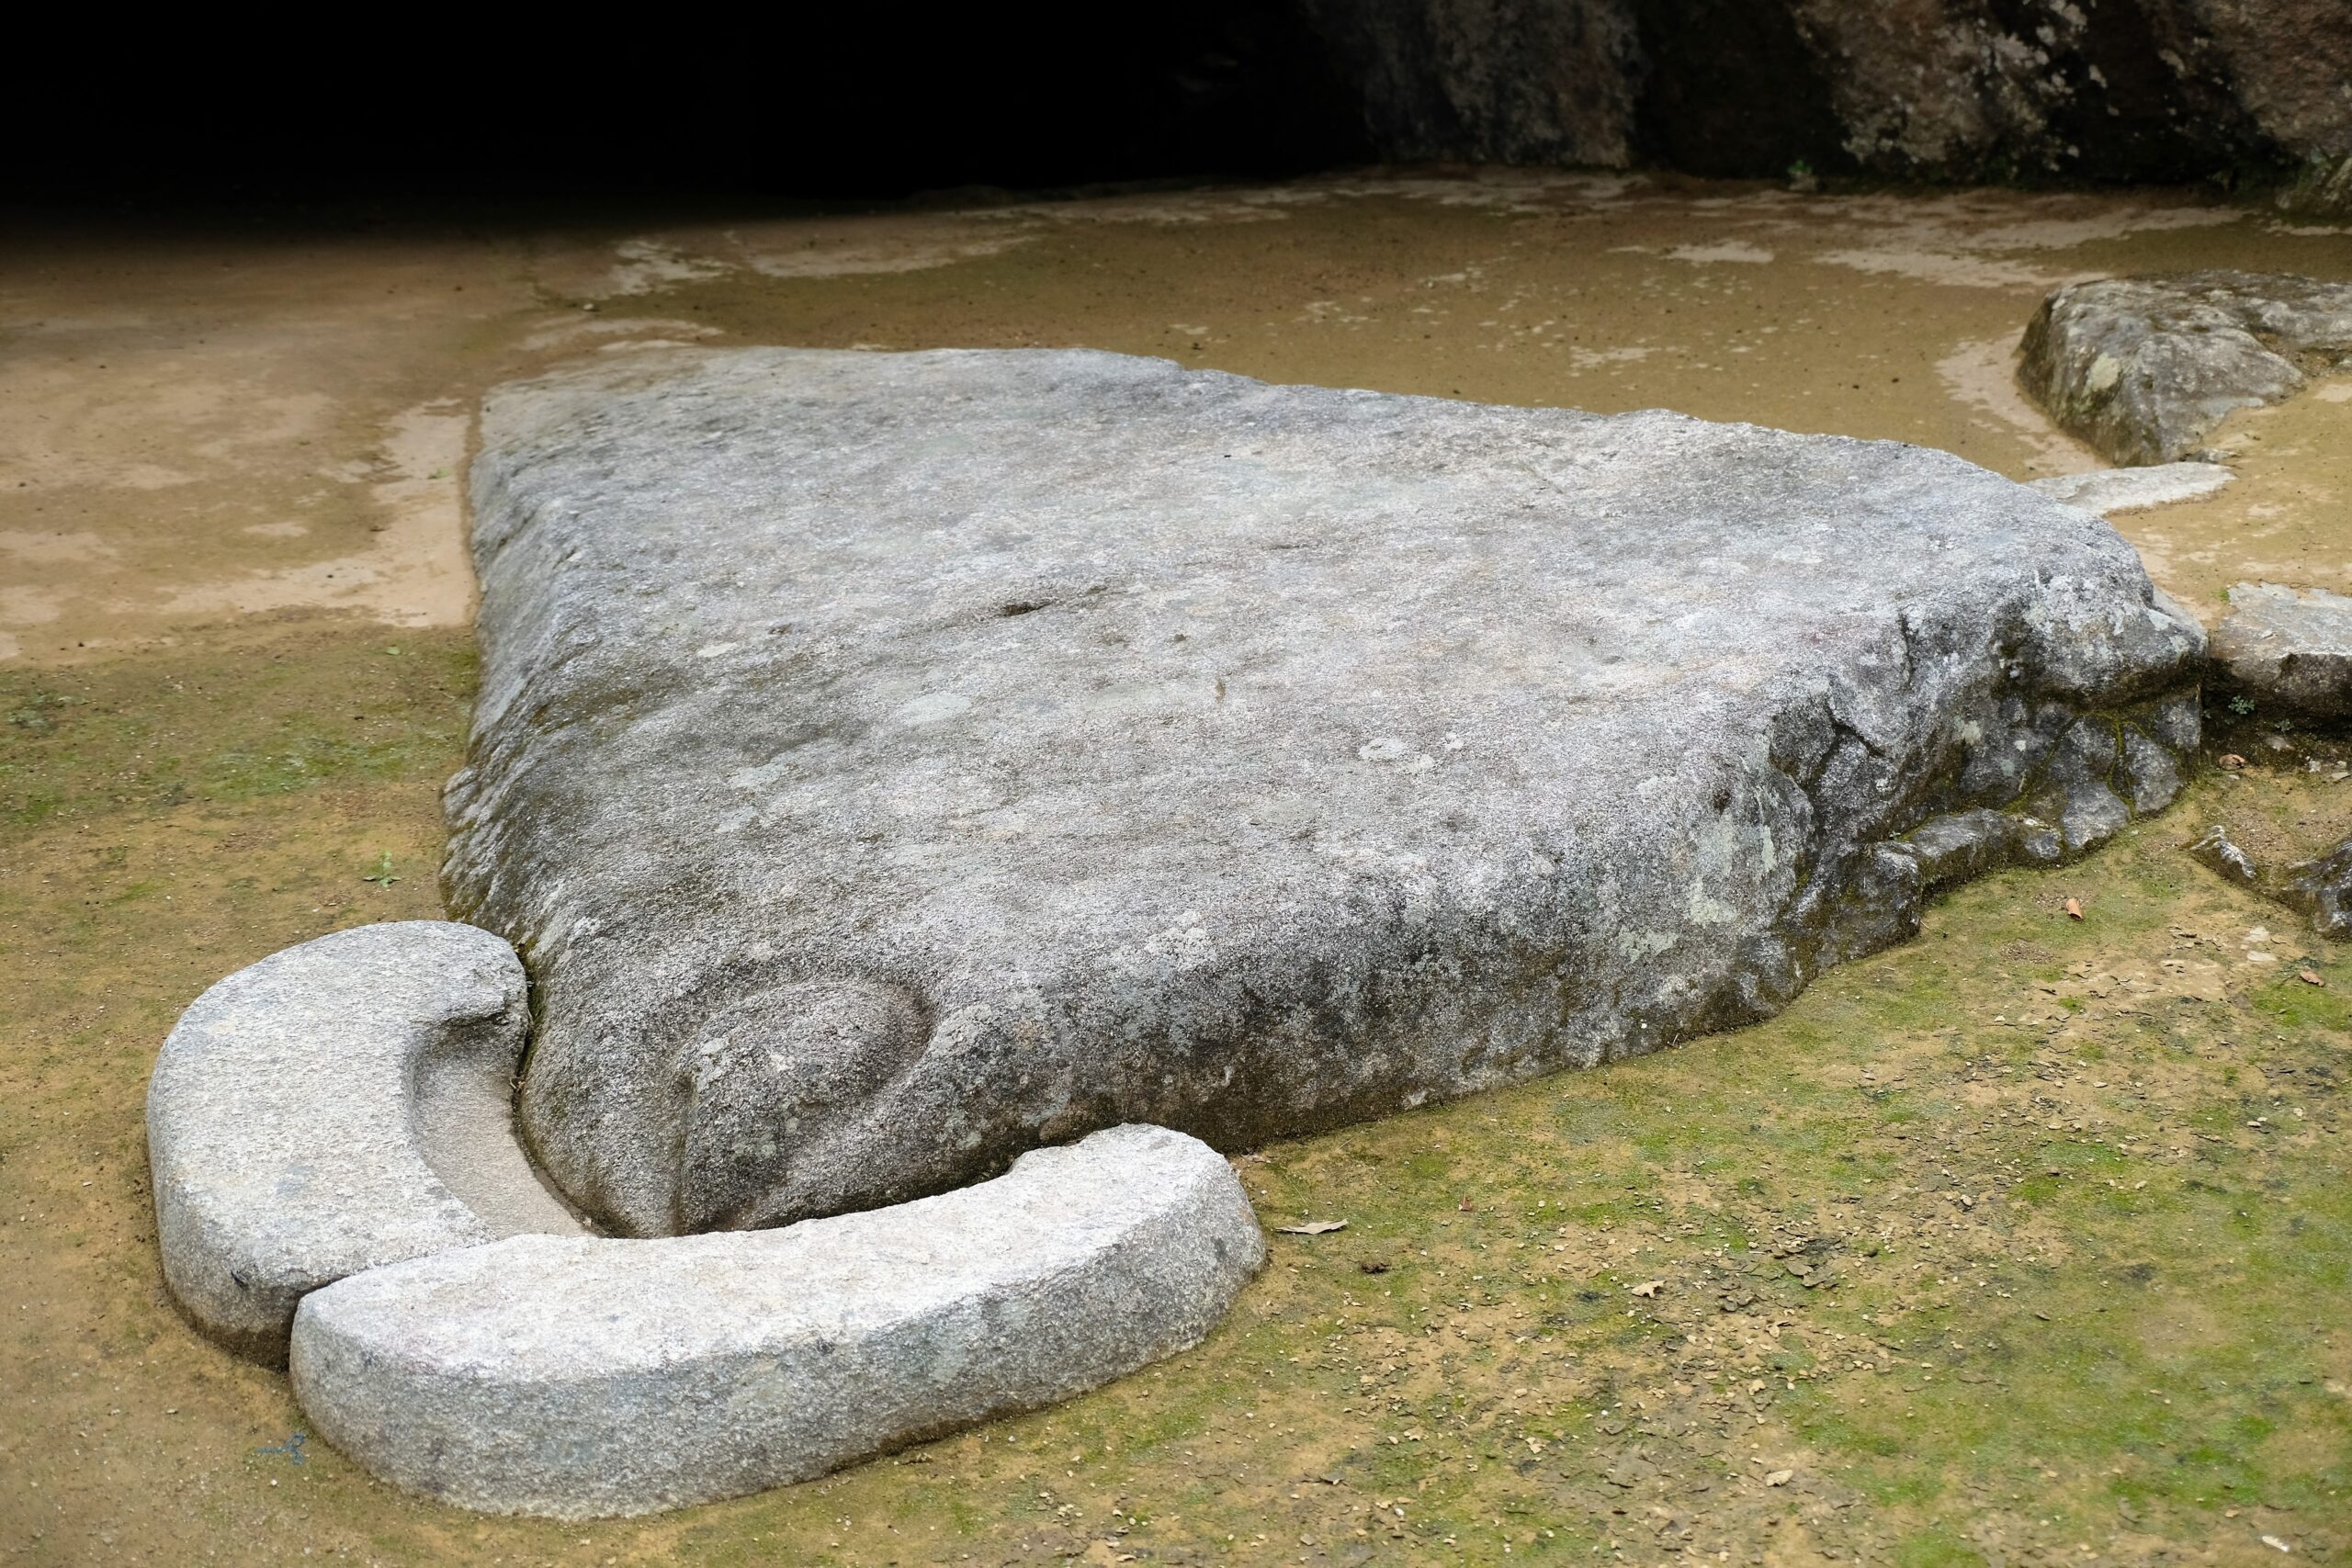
[[2097, 89]]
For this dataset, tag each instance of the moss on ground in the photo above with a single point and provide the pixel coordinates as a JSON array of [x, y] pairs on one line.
[[2026, 1243], [249, 719]]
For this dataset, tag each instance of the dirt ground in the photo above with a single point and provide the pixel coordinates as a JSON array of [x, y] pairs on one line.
[[2026, 1243]]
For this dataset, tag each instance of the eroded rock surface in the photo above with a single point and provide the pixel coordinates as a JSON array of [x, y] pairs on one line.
[[2321, 888], [2157, 90], [891, 762], [340, 1104], [2214, 850], [2143, 368], [585, 1376], [2289, 648]]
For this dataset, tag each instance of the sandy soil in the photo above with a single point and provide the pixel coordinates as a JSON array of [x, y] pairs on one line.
[[233, 672], [198, 428]]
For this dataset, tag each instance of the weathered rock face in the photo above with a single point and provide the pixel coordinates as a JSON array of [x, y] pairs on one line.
[[2214, 849], [2319, 888], [1506, 83], [891, 762], [2322, 186], [2143, 368], [2130, 89], [2286, 650]]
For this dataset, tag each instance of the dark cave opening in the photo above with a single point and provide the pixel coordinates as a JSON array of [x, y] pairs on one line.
[[886, 102]]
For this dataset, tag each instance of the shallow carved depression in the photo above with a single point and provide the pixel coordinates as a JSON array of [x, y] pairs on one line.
[[773, 1075], [340, 1105], [1347, 750]]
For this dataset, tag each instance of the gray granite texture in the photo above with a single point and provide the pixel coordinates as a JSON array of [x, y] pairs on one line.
[[2110, 490], [582, 1377], [2321, 888], [2288, 651], [2214, 850], [2143, 369], [340, 1104], [888, 763]]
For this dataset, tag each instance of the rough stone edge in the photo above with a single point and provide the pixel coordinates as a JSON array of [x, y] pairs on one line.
[[479, 1424], [2309, 681], [237, 1273], [2110, 767], [2045, 372]]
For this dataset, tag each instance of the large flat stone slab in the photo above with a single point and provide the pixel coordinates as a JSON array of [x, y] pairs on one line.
[[2289, 649], [892, 762], [2144, 367], [340, 1104], [2110, 490], [580, 1377]]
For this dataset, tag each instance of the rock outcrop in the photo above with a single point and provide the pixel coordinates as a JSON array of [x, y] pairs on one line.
[[581, 1377], [2319, 888], [2322, 187], [2143, 369], [2214, 850], [891, 762], [2288, 652], [340, 1104], [1954, 89]]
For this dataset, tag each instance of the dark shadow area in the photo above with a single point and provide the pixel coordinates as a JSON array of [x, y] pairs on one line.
[[1734, 92], [829, 103], [2150, 119], [850, 103]]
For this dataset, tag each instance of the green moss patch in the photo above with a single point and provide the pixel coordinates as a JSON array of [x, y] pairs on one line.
[[2026, 1243]]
